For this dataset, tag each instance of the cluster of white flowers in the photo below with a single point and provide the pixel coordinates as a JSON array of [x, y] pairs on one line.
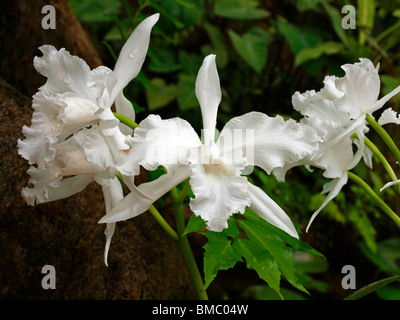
[[75, 138]]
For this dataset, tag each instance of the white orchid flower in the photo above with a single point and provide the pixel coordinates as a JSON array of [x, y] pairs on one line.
[[73, 133], [214, 168], [337, 111]]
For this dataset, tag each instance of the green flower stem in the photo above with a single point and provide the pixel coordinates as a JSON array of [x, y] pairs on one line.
[[187, 254], [157, 215], [183, 242], [375, 197], [385, 136], [184, 192], [126, 121], [381, 159]]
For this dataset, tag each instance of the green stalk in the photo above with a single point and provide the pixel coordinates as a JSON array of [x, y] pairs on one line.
[[157, 215], [183, 242], [381, 159], [375, 197], [385, 136], [378, 154], [187, 254], [184, 192]]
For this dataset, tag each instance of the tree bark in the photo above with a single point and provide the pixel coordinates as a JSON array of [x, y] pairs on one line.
[[144, 263]]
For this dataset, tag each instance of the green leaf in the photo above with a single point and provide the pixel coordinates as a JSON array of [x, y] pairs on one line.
[[196, 223], [240, 9], [252, 48], [160, 94], [298, 37], [218, 255], [389, 84], [190, 62], [163, 7], [336, 20], [382, 258], [164, 62], [389, 292], [364, 226], [274, 245], [326, 48], [259, 260], [186, 97], [371, 288], [303, 5], [218, 46], [91, 11], [291, 241]]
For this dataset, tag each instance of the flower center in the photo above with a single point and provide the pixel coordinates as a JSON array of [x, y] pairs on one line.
[[217, 168]]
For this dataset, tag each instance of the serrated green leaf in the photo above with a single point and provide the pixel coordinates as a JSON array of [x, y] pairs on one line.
[[195, 224], [259, 260], [270, 229], [276, 247], [371, 288], [240, 9], [218, 255], [252, 48]]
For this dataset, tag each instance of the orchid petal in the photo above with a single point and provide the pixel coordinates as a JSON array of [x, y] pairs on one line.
[[267, 209], [389, 116], [142, 197], [133, 54], [345, 132], [107, 151], [48, 186], [75, 162], [319, 105], [36, 147], [64, 72], [46, 114], [109, 232], [332, 188], [337, 158], [389, 184], [275, 141], [69, 187], [379, 104], [97, 150], [219, 192], [208, 93], [112, 192], [162, 142], [124, 107], [361, 86]]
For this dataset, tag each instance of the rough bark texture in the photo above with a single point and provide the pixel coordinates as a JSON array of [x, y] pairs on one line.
[[144, 263]]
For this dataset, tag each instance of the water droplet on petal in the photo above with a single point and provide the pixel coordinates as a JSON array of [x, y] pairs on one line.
[[67, 79]]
